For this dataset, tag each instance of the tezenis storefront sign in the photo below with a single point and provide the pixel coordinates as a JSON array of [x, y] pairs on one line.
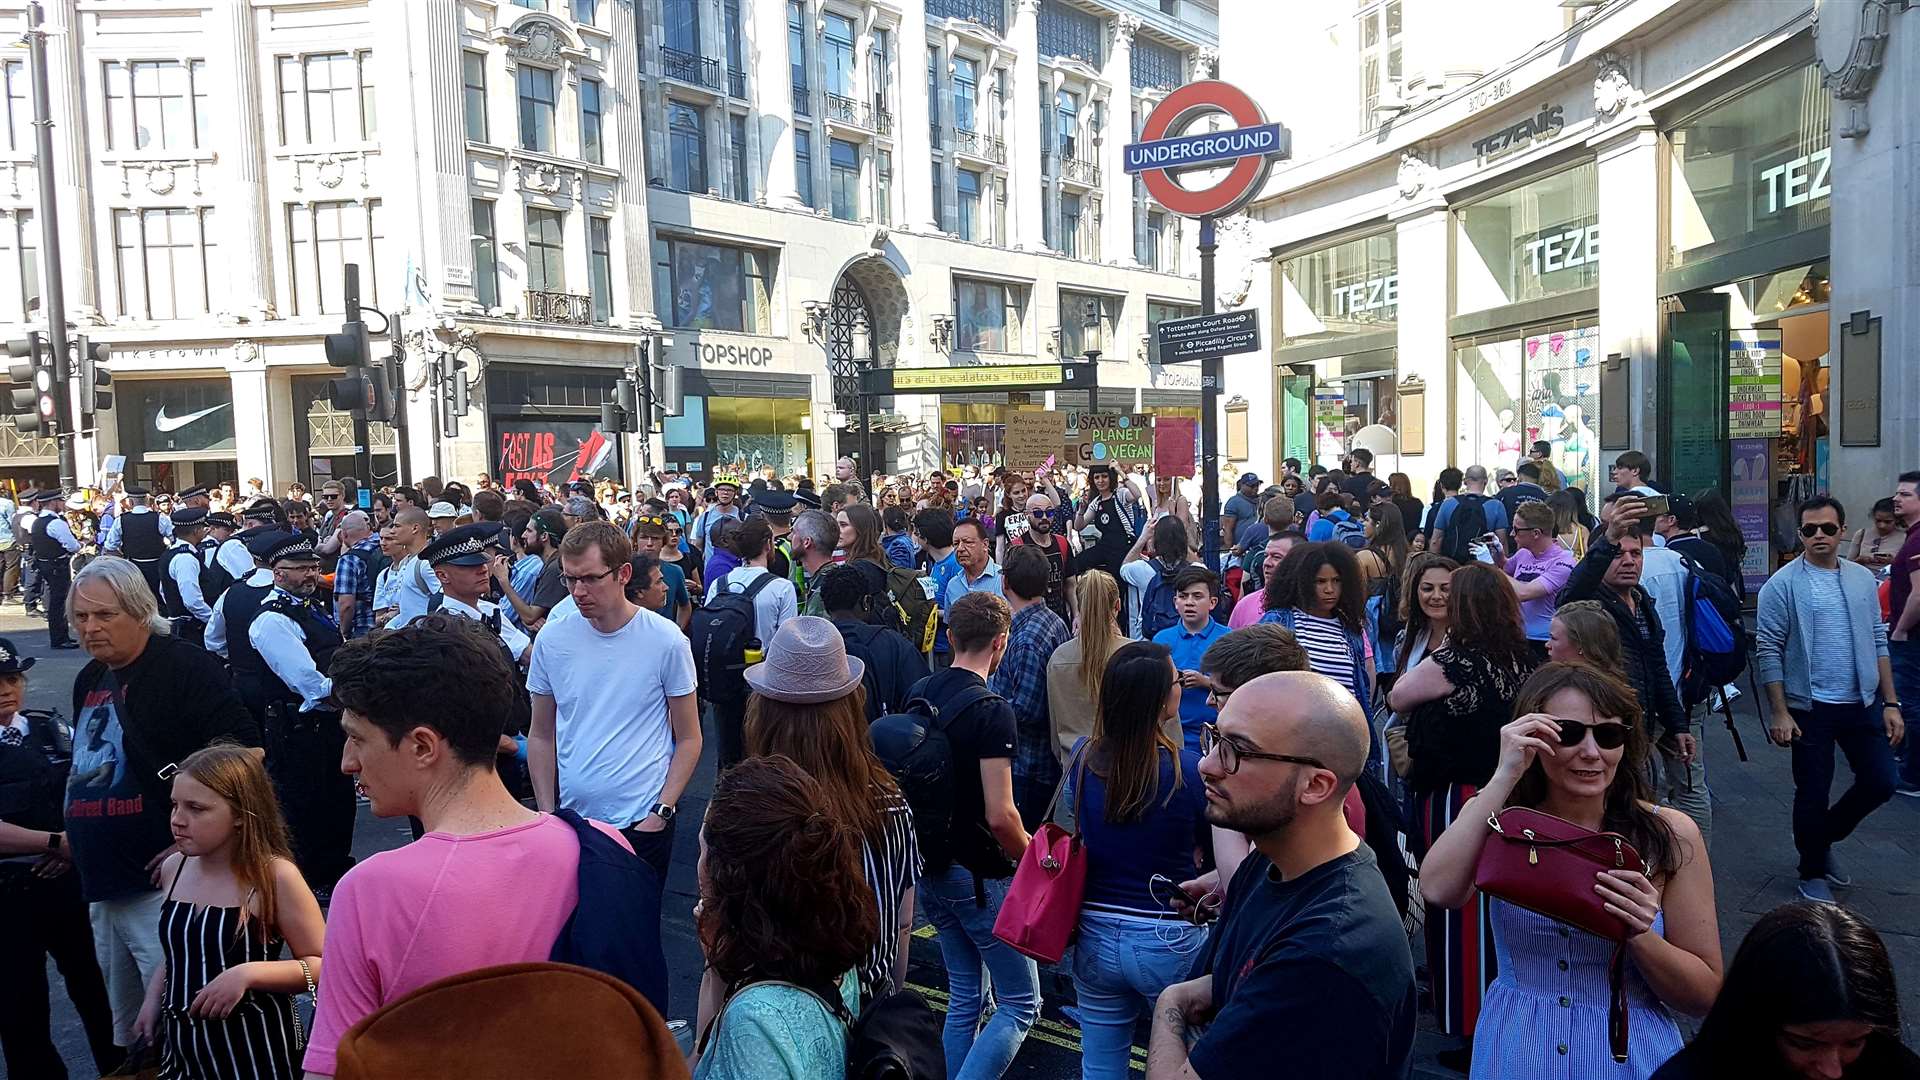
[[1542, 125]]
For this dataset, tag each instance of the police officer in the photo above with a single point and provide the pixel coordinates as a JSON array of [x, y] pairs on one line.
[[196, 496], [32, 589], [183, 596], [141, 535], [280, 649], [52, 545], [462, 559], [223, 554], [41, 908]]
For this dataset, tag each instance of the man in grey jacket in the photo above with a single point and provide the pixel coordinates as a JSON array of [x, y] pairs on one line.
[[1822, 655]]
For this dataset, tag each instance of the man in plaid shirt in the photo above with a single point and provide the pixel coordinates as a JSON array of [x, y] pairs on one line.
[[355, 573], [1022, 678]]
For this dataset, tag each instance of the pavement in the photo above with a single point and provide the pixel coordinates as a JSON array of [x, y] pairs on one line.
[[1752, 853]]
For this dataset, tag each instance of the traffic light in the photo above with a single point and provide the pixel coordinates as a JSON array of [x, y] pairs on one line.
[[622, 413], [351, 350], [455, 397], [29, 369], [664, 393], [354, 392], [94, 376]]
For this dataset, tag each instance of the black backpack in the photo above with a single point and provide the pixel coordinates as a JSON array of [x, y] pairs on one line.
[[719, 633], [895, 1037], [913, 745], [1716, 643], [1156, 604], [1467, 523], [619, 895]]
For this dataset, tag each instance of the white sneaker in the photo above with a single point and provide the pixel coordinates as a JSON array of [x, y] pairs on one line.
[[1816, 889]]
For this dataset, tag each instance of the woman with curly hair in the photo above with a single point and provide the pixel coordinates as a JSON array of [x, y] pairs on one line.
[[784, 919], [1319, 594], [1455, 702]]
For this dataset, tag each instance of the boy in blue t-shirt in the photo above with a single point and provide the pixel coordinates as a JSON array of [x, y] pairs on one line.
[[1196, 590]]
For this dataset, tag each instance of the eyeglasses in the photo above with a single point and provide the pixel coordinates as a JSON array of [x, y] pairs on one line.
[[1217, 698], [1231, 752], [570, 581], [1605, 736], [1823, 528]]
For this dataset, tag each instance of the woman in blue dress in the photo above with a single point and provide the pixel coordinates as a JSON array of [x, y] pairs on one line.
[[1578, 751]]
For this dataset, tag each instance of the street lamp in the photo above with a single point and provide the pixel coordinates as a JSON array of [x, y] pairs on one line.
[[1090, 320]]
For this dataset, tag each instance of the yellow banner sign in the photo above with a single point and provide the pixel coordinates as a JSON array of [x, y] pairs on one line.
[[909, 380]]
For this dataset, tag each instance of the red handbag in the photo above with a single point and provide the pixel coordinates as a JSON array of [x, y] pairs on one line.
[[1042, 908], [1547, 865]]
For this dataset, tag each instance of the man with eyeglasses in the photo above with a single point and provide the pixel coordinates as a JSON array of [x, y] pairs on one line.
[[1821, 653], [1309, 963], [650, 538], [1539, 568], [616, 730]]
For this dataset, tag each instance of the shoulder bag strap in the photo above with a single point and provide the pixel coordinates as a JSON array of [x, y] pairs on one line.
[[1075, 770]]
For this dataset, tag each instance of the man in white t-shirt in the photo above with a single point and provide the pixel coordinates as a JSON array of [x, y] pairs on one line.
[[615, 724]]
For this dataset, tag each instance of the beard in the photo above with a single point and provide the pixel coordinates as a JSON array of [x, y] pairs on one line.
[[1262, 818]]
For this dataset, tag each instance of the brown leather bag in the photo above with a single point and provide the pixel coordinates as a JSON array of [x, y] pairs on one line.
[[511, 1022], [1546, 864]]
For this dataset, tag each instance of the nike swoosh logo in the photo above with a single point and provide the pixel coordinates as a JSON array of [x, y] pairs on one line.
[[163, 422]]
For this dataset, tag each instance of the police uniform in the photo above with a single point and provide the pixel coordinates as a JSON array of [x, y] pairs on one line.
[[182, 590], [468, 546], [52, 545], [42, 916], [142, 535]]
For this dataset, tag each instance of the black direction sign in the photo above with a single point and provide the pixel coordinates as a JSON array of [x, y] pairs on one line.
[[1203, 336]]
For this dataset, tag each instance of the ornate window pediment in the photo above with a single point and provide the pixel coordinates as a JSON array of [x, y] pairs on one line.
[[538, 38]]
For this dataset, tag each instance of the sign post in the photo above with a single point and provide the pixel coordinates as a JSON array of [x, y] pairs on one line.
[[1165, 150]]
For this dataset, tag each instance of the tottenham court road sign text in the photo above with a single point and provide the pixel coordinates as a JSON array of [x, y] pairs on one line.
[[1201, 337]]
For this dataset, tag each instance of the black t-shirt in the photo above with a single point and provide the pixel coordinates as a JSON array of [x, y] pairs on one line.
[[1514, 494], [1313, 973], [549, 589], [983, 732], [1357, 485]]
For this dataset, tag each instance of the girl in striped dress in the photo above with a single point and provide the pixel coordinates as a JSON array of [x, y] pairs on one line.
[[221, 1005]]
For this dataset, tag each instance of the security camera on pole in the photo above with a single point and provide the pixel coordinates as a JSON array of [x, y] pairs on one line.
[[1164, 152]]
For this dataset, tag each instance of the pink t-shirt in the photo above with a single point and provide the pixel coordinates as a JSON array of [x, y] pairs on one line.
[[1247, 610], [437, 907]]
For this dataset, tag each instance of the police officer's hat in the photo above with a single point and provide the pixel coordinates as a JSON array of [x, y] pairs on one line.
[[48, 495], [219, 519], [193, 493], [261, 509], [274, 546], [189, 517], [11, 662], [135, 491], [775, 502], [808, 499], [464, 546]]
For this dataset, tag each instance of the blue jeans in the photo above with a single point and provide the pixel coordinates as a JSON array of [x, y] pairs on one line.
[[1858, 731], [1905, 657], [1120, 965], [967, 945]]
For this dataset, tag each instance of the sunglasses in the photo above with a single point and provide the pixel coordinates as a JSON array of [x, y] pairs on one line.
[[1823, 528], [1605, 736]]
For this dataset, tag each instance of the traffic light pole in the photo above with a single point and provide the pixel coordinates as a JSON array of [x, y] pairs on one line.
[[396, 376], [362, 452], [54, 305]]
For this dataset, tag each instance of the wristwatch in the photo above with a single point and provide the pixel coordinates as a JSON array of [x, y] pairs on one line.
[[663, 811], [53, 842], [1890, 705]]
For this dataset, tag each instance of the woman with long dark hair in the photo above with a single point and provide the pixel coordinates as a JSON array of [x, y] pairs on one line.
[[1137, 800], [1426, 586], [1319, 594], [1411, 508], [1382, 563], [1810, 994], [1578, 750], [784, 918], [1455, 702], [1718, 528]]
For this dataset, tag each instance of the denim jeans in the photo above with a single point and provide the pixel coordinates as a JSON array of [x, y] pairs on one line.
[[1683, 786], [976, 959], [1120, 965], [1905, 657], [1858, 731]]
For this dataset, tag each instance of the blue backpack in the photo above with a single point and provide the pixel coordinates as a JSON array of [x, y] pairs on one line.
[[615, 925], [1716, 649], [1156, 604]]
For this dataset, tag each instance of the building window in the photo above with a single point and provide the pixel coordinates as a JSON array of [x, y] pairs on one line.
[[584, 11], [737, 132], [600, 268], [797, 48], [843, 178], [987, 316], [711, 287], [933, 94], [736, 51], [1070, 226], [486, 264], [883, 186], [322, 239], [837, 48], [546, 250], [1155, 66], [19, 95], [1158, 313], [1000, 211], [683, 26], [803, 166], [326, 98], [1076, 337], [1379, 58], [966, 91], [473, 94], [1156, 236], [161, 258], [154, 104], [939, 204], [967, 183], [590, 122], [1066, 123], [537, 101], [1068, 31], [686, 147], [21, 235], [879, 63]]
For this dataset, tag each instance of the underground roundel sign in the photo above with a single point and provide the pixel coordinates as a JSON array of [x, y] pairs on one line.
[[1164, 151]]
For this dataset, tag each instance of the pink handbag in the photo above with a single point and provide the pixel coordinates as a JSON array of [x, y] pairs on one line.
[[1042, 908]]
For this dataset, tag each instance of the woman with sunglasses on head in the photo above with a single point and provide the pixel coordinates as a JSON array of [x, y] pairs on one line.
[[1136, 798], [1455, 702], [1578, 751], [1810, 995]]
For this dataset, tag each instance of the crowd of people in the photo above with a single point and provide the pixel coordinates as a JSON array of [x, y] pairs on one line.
[[1276, 763]]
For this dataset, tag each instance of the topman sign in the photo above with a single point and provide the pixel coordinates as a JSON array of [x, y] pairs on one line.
[[1165, 150]]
